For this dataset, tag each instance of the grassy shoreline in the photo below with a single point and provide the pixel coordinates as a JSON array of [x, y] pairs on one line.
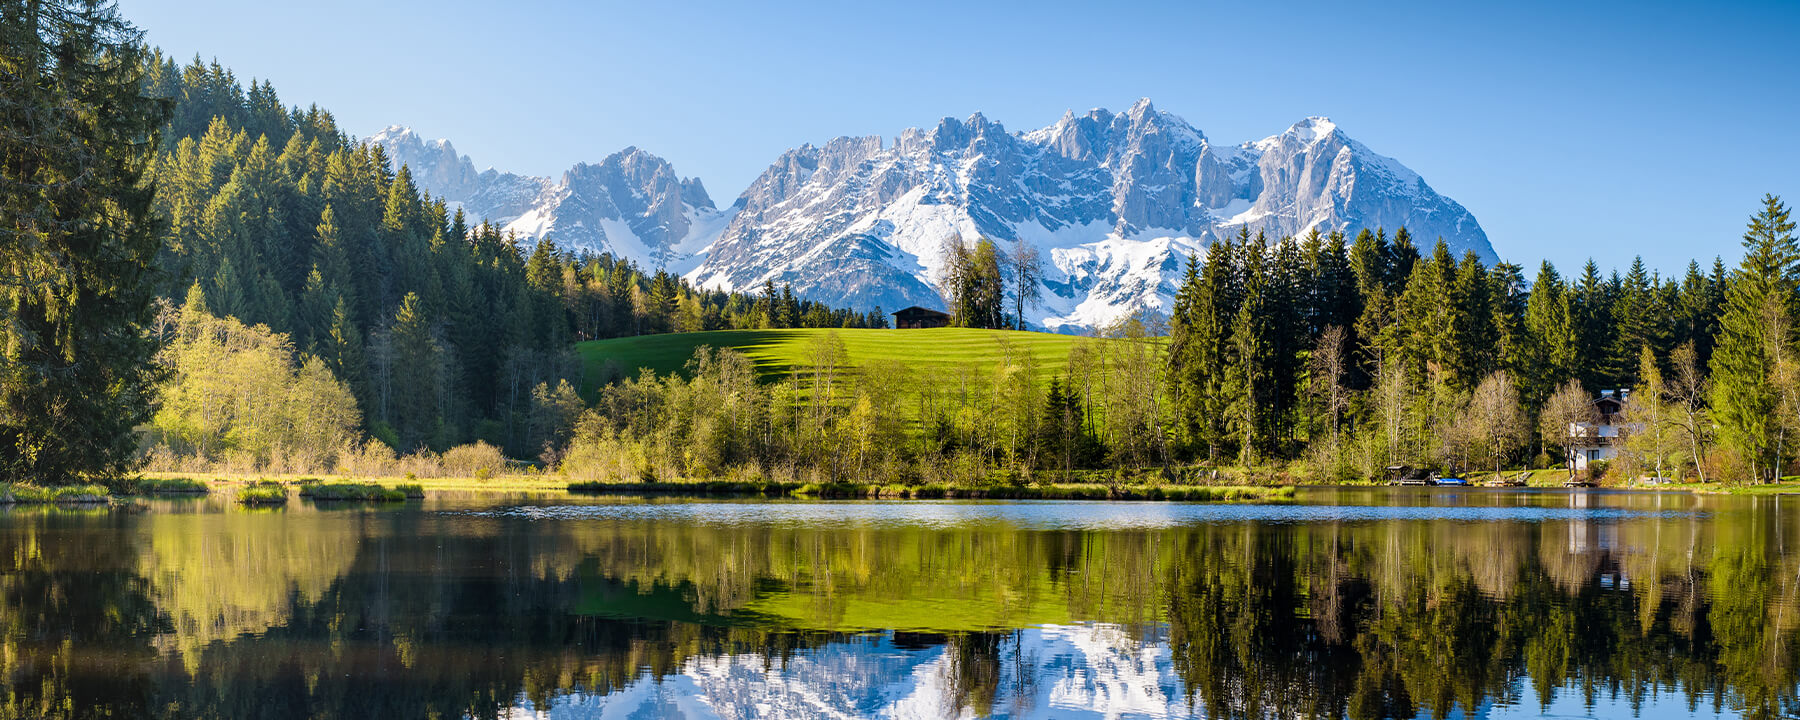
[[19, 494], [497, 483], [151, 483], [850, 491]]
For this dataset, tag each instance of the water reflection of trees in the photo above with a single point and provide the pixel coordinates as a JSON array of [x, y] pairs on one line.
[[420, 615]]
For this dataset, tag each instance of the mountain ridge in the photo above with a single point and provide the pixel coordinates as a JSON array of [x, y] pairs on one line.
[[1113, 202]]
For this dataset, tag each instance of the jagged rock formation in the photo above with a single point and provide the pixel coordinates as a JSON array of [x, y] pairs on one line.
[[631, 204], [1113, 202]]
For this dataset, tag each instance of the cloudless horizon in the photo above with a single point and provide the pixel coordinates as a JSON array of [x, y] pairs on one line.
[[1607, 131]]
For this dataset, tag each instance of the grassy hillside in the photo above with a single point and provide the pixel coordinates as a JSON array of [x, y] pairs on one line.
[[777, 352]]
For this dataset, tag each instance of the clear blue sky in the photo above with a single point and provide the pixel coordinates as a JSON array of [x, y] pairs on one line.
[[1570, 130]]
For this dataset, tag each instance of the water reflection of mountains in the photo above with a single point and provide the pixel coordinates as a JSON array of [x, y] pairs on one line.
[[209, 612]]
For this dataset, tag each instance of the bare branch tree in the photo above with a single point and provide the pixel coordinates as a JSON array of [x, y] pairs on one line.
[[1495, 417], [1688, 389], [1027, 268], [1566, 407]]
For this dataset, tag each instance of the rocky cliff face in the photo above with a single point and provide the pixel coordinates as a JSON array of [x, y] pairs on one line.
[[630, 204], [1114, 203]]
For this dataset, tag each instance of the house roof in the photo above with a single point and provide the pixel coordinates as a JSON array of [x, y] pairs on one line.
[[916, 310]]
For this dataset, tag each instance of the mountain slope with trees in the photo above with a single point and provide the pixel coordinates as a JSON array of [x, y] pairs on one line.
[[443, 331]]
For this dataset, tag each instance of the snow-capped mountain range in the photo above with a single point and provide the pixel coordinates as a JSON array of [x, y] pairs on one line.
[[1076, 671], [1114, 203], [631, 204]]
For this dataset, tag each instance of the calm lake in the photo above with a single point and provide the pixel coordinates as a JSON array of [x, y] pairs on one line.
[[1358, 604]]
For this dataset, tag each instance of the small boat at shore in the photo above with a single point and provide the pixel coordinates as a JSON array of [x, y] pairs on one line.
[[1411, 476]]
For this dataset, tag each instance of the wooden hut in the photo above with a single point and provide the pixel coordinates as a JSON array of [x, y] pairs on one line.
[[916, 317]]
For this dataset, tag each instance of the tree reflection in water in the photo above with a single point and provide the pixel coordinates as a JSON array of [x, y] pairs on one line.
[[197, 609]]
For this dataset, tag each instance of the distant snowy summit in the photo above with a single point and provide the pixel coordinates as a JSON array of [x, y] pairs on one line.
[[1113, 202], [631, 204]]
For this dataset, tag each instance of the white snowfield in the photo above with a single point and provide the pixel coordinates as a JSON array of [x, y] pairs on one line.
[[1076, 671], [1114, 204]]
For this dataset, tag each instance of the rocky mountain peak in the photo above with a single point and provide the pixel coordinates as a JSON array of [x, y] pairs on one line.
[[631, 203], [1312, 129], [1114, 203]]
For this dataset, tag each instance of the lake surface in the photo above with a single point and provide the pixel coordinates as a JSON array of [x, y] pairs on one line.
[[1425, 603]]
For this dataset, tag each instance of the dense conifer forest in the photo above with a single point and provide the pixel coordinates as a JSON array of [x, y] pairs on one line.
[[1326, 357], [442, 330], [242, 282], [1319, 358]]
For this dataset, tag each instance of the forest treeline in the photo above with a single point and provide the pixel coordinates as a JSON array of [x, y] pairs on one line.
[[1328, 356], [144, 195], [1320, 358], [441, 329], [1358, 355]]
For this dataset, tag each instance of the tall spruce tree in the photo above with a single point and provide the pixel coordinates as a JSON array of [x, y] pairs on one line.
[[1638, 320], [1424, 313], [1592, 313], [77, 244], [1215, 306], [1475, 339], [1506, 290], [418, 377], [1184, 373], [1756, 333], [1551, 351]]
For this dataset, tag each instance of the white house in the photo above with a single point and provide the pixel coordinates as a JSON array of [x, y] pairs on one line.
[[1603, 434]]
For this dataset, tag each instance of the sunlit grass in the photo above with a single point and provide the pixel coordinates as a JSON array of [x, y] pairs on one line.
[[21, 493], [519, 482], [262, 494], [778, 352], [354, 491], [165, 486], [1788, 485], [1052, 491]]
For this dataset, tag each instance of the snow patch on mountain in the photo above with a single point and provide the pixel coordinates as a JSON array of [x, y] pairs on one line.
[[631, 204], [1114, 204], [1081, 671]]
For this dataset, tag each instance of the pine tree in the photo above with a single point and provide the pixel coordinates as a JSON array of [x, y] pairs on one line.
[[1475, 339], [1185, 371], [988, 291], [1374, 331], [1756, 334], [77, 241], [1591, 312], [1334, 300], [1214, 310], [1423, 319], [1550, 343], [972, 284], [1638, 318], [1506, 289], [418, 380], [1289, 339], [1252, 408], [1696, 307]]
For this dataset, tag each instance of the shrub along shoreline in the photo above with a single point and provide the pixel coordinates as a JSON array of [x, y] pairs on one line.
[[19, 494], [933, 491]]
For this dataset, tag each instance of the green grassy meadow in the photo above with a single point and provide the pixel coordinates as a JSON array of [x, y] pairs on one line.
[[779, 352]]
